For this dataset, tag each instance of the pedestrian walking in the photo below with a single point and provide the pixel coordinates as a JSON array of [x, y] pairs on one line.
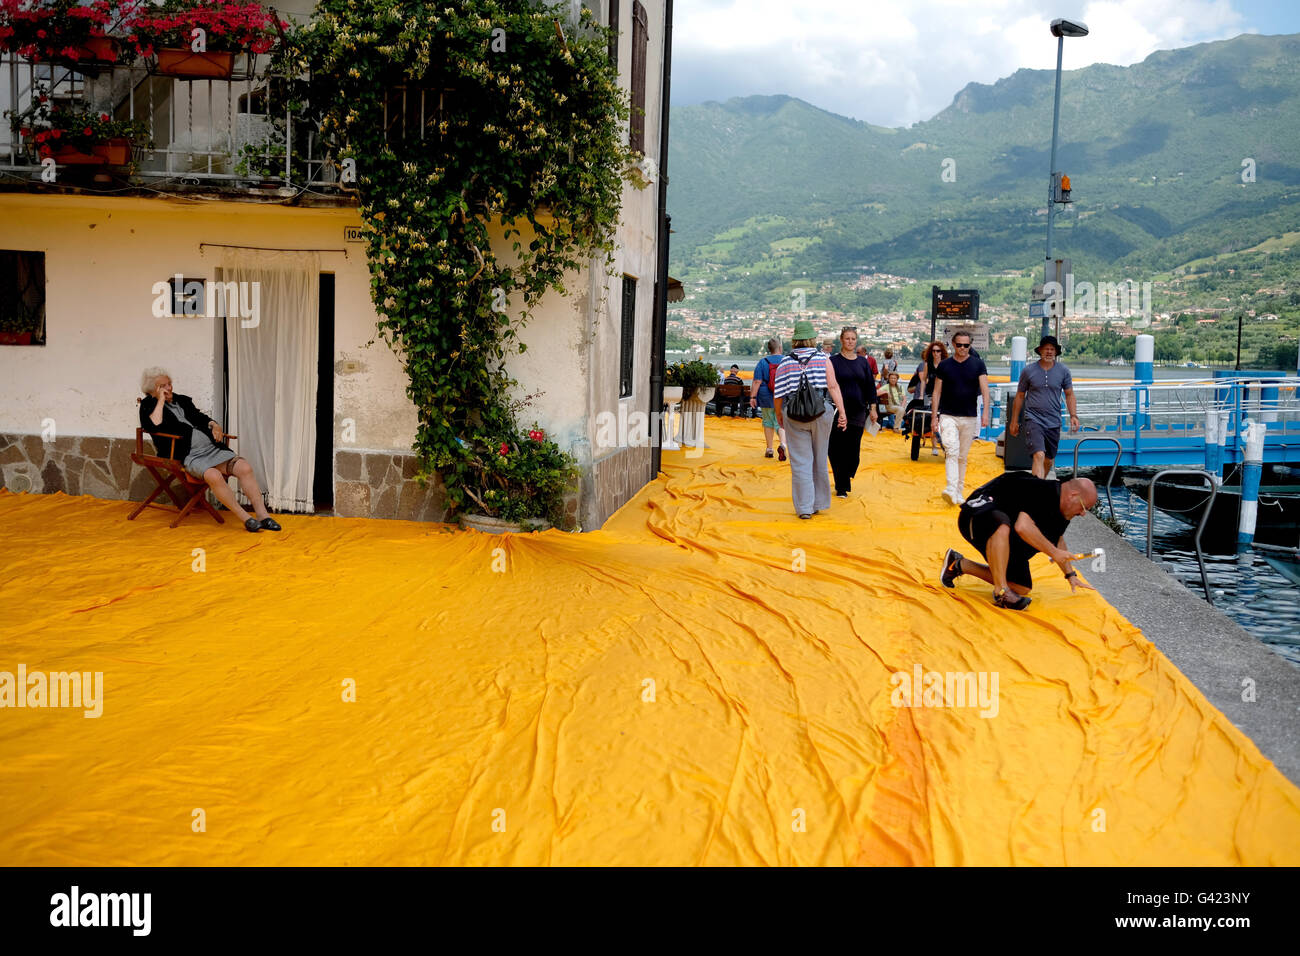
[[760, 397], [960, 380], [858, 386], [808, 441], [1039, 392]]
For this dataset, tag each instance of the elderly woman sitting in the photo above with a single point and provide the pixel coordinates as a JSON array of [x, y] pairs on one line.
[[199, 447]]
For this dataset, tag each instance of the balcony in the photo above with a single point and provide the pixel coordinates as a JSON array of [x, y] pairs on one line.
[[207, 135]]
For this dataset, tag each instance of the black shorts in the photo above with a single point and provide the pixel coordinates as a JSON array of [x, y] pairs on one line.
[[978, 526], [1040, 438]]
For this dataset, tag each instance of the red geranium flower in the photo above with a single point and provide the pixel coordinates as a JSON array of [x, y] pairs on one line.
[[505, 449]]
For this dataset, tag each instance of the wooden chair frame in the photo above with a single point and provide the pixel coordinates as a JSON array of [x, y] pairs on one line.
[[189, 492]]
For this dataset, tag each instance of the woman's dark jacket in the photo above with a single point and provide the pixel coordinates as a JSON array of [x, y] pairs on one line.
[[171, 425]]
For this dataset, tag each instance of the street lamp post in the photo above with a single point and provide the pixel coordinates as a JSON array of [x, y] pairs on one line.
[[1060, 29]]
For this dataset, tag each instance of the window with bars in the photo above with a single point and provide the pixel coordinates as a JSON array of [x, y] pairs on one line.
[[628, 338], [22, 297], [640, 42], [414, 112]]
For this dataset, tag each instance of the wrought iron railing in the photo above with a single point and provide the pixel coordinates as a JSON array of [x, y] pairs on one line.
[[203, 132]]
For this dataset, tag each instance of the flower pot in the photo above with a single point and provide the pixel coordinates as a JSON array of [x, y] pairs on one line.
[[96, 54], [116, 152], [672, 394], [15, 338], [692, 430], [71, 156], [187, 65], [100, 50], [497, 526]]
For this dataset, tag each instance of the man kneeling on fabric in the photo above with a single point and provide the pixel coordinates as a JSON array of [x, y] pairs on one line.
[[1009, 520]]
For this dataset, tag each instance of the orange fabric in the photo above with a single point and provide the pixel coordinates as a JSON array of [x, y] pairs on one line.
[[706, 680]]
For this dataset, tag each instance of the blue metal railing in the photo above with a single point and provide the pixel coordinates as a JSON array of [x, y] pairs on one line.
[[1163, 423]]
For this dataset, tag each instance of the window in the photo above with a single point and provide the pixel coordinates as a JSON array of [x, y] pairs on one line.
[[628, 338], [22, 297], [186, 296], [415, 112], [613, 25], [640, 40]]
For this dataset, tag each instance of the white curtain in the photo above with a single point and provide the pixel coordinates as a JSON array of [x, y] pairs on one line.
[[272, 369]]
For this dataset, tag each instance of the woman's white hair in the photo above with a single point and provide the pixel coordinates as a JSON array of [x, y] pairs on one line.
[[149, 378]]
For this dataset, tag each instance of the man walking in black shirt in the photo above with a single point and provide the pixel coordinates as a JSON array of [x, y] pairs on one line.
[[1009, 520], [960, 380]]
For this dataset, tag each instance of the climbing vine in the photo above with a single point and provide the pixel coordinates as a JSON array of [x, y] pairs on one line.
[[469, 121]]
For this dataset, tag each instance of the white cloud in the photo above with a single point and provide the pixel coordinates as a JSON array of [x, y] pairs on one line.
[[897, 63]]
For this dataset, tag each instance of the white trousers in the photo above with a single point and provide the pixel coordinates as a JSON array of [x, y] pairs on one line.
[[957, 434]]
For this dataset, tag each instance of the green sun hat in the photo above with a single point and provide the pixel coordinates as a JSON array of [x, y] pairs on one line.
[[803, 329]]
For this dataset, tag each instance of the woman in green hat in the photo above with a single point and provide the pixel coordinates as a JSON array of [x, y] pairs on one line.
[[808, 441]]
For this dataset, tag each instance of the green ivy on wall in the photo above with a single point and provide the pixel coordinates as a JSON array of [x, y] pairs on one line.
[[519, 128]]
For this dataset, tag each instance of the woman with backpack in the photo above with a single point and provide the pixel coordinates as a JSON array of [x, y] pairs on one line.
[[804, 379]]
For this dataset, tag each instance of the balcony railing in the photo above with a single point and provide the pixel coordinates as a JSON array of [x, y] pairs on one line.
[[217, 133]]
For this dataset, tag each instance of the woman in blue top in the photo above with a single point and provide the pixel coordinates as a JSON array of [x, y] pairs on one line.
[[810, 485], [858, 386], [760, 396]]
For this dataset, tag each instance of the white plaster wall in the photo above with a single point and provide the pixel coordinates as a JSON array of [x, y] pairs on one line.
[[104, 254], [577, 339], [102, 257]]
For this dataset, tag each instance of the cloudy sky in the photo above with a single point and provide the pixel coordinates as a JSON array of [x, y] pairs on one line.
[[896, 63]]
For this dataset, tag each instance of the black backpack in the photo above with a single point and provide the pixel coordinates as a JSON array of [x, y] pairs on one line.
[[805, 405]]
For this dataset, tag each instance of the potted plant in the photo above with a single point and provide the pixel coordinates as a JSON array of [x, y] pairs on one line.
[[14, 330], [673, 384], [263, 162], [76, 135], [696, 377], [519, 485], [199, 39], [699, 379], [63, 31]]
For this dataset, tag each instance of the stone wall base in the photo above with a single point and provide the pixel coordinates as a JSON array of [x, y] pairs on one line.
[[76, 466], [366, 484], [612, 482], [382, 485]]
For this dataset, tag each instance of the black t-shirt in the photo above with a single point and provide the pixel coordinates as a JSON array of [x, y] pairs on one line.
[[1019, 492], [961, 386], [857, 385]]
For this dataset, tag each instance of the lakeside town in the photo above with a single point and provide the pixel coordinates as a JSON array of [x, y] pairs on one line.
[[706, 331]]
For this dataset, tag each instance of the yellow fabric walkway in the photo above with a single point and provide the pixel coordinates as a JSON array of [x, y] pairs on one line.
[[505, 716]]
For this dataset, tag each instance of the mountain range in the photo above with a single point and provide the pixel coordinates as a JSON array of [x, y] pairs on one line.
[[1191, 153]]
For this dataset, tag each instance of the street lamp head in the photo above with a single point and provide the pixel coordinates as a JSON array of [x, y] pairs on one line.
[[1069, 28]]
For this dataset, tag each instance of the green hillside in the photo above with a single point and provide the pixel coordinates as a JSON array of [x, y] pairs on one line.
[[788, 193]]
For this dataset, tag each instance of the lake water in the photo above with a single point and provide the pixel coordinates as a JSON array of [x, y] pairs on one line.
[[1246, 588]]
